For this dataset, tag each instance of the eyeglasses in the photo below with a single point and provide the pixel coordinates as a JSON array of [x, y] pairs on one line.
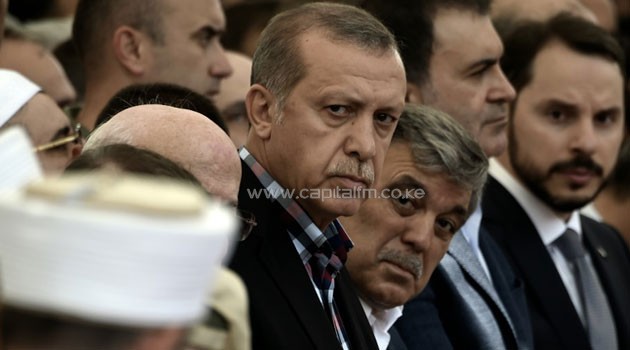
[[74, 137], [248, 222]]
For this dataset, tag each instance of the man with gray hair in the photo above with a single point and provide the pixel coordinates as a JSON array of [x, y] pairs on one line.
[[431, 181], [451, 53], [328, 90]]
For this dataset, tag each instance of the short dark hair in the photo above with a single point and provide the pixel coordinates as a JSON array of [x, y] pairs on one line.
[[96, 20], [245, 16], [411, 21], [523, 41], [29, 10], [277, 63], [161, 94], [133, 160]]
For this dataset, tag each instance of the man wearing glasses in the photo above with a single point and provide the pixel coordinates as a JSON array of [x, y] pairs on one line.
[[56, 141]]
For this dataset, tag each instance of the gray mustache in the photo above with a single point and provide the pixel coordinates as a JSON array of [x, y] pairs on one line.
[[409, 262], [355, 168]]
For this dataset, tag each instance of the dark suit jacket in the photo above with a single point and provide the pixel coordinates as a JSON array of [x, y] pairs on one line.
[[443, 315], [555, 322], [395, 342], [284, 308]]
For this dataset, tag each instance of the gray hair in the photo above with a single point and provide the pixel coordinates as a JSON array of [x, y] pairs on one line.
[[440, 144], [277, 64]]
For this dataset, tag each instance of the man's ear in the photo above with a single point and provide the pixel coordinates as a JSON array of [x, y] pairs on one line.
[[414, 94], [131, 49], [261, 110]]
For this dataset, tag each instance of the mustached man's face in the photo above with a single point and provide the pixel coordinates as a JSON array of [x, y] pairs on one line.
[[567, 127], [400, 240], [336, 125]]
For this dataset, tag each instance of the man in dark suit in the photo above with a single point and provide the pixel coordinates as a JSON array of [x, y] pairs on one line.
[[433, 176], [565, 132], [328, 90], [451, 53]]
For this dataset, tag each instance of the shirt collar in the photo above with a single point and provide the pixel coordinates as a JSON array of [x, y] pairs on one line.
[[381, 321], [471, 227], [547, 223], [309, 236]]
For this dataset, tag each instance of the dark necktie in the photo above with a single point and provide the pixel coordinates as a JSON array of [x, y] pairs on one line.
[[598, 319]]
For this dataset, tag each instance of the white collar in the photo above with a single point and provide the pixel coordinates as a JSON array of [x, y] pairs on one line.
[[471, 227], [547, 223], [381, 321]]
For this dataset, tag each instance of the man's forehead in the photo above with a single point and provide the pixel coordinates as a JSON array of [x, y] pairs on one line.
[[464, 30], [198, 13]]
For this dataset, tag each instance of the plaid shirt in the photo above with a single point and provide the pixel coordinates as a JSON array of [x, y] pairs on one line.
[[323, 253]]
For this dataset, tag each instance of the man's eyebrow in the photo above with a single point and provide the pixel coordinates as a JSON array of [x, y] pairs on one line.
[[485, 63], [459, 210], [209, 31]]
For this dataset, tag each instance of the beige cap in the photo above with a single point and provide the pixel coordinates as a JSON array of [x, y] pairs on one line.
[[123, 250]]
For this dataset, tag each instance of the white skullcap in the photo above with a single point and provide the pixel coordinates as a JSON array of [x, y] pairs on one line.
[[122, 250], [15, 91], [19, 163]]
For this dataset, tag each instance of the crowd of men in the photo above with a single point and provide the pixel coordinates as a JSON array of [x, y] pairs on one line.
[[377, 175]]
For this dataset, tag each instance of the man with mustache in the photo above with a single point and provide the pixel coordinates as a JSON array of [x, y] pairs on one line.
[[451, 53], [328, 88], [431, 181], [565, 132]]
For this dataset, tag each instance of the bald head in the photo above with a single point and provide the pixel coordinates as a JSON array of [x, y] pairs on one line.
[[183, 136]]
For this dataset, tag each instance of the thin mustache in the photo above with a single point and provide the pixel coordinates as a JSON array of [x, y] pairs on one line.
[[354, 168], [578, 162], [409, 262]]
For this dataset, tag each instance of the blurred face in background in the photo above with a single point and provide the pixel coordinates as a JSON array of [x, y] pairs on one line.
[[231, 99]]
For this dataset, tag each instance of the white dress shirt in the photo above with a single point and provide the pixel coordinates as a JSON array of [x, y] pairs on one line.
[[381, 321]]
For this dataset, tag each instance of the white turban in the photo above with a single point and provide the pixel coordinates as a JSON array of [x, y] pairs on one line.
[[15, 92], [19, 163], [122, 250]]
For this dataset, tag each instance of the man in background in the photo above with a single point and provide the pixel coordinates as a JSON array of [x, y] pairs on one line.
[[167, 41]]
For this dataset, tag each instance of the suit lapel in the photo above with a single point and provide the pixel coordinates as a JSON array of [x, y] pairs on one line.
[[532, 260], [358, 329], [284, 266], [612, 273], [291, 278], [461, 251]]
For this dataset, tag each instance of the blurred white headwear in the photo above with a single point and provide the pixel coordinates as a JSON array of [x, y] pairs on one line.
[[19, 163], [123, 250], [15, 92]]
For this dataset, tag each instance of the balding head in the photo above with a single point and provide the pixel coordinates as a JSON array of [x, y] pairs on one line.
[[183, 136]]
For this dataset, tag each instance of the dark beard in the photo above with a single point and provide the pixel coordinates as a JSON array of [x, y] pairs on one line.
[[535, 181], [535, 185]]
